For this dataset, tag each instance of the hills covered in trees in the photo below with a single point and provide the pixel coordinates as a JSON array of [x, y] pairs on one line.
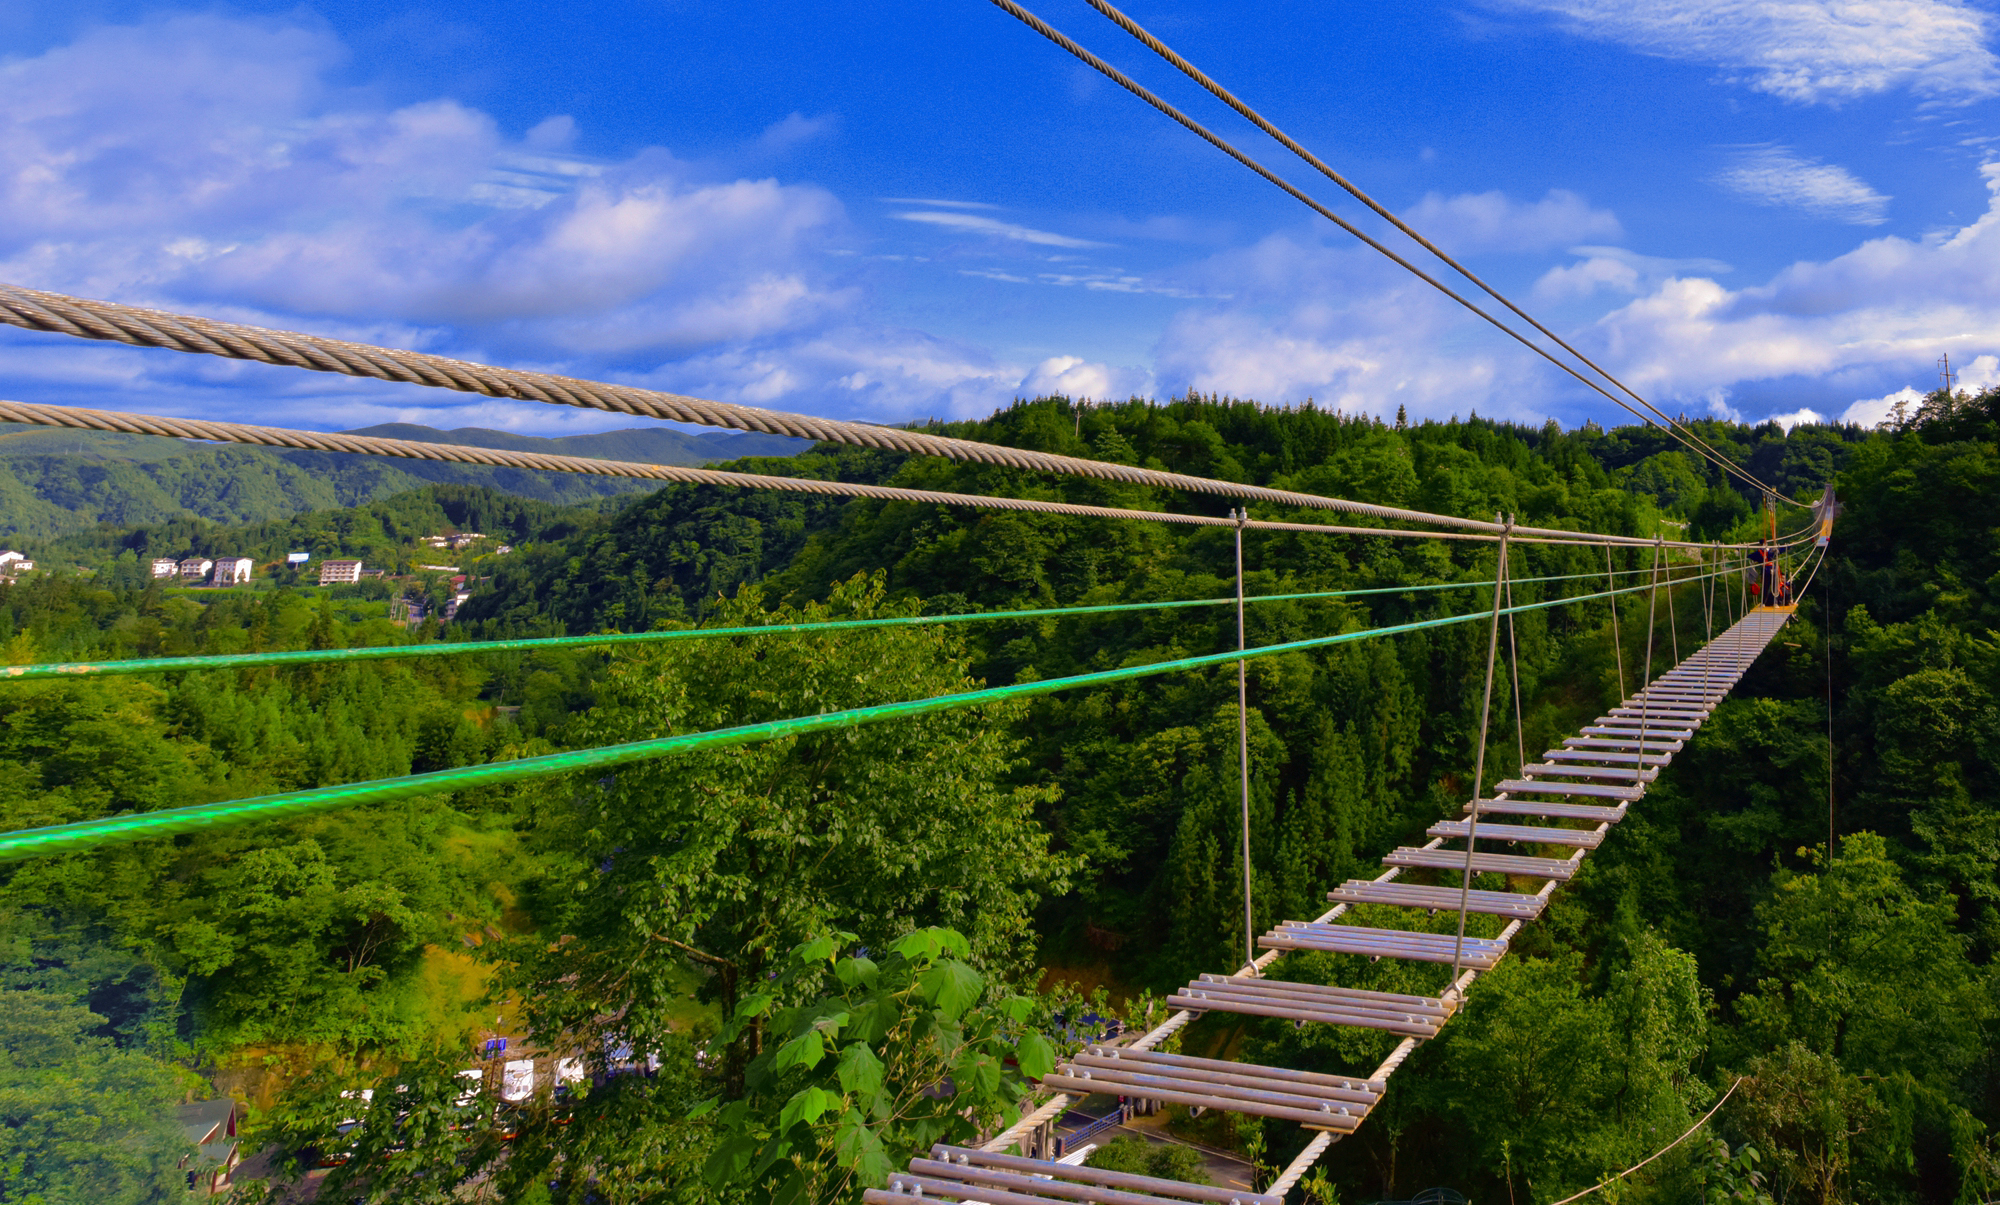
[[57, 482], [1714, 937]]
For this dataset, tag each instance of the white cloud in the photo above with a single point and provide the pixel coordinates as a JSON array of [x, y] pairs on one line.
[[972, 223], [1585, 278], [1983, 372], [196, 158], [1779, 177], [1304, 318], [1873, 412], [1804, 50], [1803, 415], [935, 203], [892, 375], [1491, 221], [795, 130], [1073, 377], [1614, 269], [1890, 306]]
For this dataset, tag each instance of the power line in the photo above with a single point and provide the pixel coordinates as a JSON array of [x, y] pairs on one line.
[[1700, 446]]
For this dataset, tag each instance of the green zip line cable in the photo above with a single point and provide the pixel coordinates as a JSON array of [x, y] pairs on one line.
[[156, 665], [87, 834]]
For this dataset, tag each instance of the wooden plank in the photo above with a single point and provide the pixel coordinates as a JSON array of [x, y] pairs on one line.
[[1309, 1002], [1478, 953], [951, 1171], [1520, 834], [967, 1156], [1228, 1100], [1591, 790], [1631, 731], [1337, 1087], [1483, 863], [1620, 724], [1587, 755], [1550, 809], [992, 1186], [1317, 1101], [1513, 905], [1615, 773], [1424, 1004]]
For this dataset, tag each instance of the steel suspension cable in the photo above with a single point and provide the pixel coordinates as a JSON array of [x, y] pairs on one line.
[[1015, 10], [1019, 13], [1678, 430], [86, 834], [80, 418]]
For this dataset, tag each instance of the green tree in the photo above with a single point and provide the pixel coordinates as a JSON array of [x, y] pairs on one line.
[[1857, 965], [849, 1086], [696, 874], [416, 1133], [83, 1122]]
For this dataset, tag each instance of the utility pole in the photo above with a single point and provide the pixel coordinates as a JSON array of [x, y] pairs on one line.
[[1945, 372]]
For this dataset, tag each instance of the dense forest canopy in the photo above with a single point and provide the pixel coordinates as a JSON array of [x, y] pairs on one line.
[[809, 935]]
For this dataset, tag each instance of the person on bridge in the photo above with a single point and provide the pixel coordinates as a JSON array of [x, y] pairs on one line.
[[1765, 558]]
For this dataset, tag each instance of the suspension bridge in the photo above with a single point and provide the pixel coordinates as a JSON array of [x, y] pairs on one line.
[[1548, 816]]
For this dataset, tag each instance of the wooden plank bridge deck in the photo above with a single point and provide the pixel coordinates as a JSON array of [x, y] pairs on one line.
[[1610, 762]]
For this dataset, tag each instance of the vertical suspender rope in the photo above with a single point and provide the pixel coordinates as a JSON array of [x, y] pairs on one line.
[[1479, 762], [1673, 622], [1617, 649], [1652, 624], [1708, 587], [1712, 563], [1243, 740], [1743, 585], [1514, 667]]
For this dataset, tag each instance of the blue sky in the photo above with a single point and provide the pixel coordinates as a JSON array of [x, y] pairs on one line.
[[893, 211]]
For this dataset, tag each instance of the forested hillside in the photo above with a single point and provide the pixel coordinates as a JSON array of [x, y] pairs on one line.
[[1091, 834], [54, 482]]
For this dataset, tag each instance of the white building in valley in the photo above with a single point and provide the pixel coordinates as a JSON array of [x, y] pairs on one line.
[[232, 570], [335, 573]]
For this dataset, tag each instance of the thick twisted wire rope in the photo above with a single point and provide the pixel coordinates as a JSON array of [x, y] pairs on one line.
[[1679, 430], [36, 310], [1015, 10], [81, 418], [87, 834]]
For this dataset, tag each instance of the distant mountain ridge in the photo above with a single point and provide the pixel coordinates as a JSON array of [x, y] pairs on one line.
[[647, 445], [57, 482]]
